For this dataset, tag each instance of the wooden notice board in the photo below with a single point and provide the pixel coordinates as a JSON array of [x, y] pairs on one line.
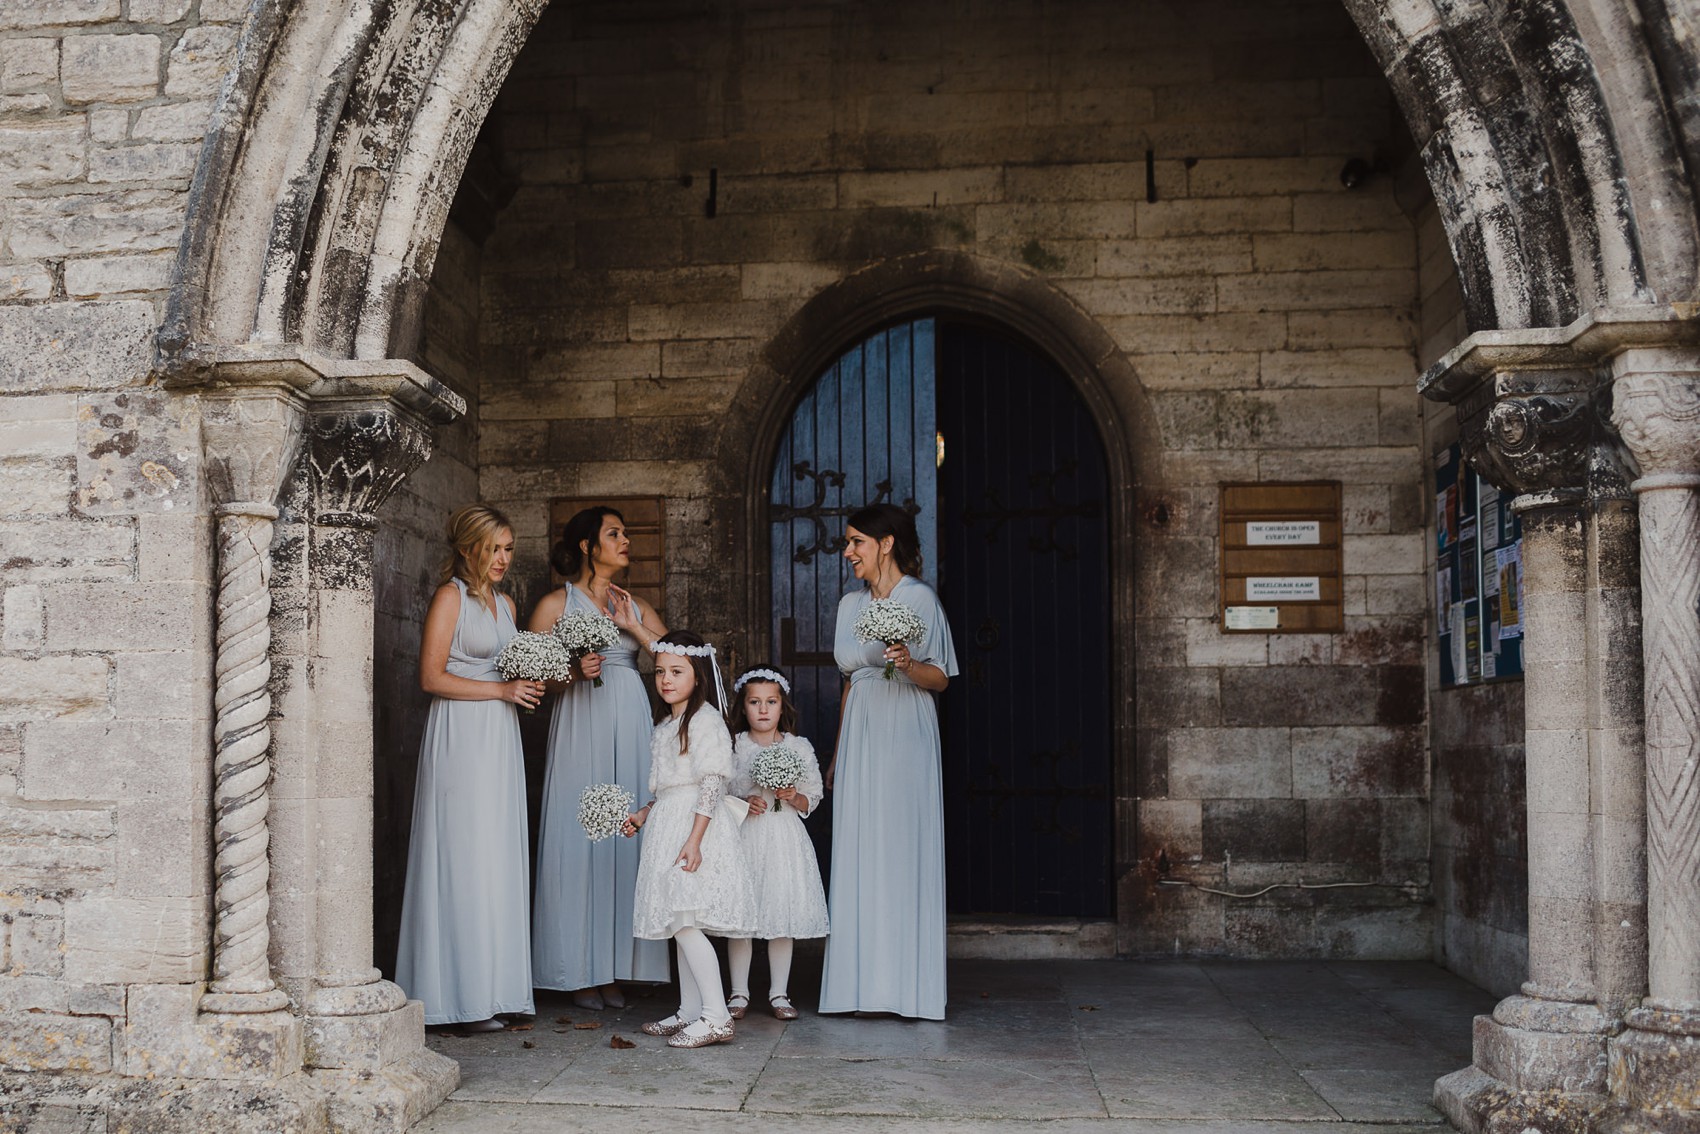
[[646, 524], [1281, 565]]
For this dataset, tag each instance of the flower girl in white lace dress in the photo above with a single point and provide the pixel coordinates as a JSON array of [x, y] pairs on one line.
[[691, 877], [790, 902]]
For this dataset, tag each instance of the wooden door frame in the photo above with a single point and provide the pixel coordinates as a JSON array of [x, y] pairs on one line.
[[944, 284]]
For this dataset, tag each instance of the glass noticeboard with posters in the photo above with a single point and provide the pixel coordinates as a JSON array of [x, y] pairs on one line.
[[1478, 576]]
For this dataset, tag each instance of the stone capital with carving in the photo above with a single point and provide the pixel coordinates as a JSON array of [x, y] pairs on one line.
[[251, 436], [358, 453], [1532, 432], [1656, 407]]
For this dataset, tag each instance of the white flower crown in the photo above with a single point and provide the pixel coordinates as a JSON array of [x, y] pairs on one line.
[[660, 647], [762, 675], [702, 651]]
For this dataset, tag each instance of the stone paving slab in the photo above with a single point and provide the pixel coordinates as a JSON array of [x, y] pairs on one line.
[[507, 1118], [1065, 1047]]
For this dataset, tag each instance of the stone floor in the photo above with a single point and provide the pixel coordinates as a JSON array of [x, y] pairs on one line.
[[1074, 1047]]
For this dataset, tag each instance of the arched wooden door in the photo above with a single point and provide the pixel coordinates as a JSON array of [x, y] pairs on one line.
[[987, 443]]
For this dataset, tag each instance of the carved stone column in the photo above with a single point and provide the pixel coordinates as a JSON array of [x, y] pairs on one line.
[[358, 454], [1535, 430], [1656, 1063], [365, 1039], [251, 435]]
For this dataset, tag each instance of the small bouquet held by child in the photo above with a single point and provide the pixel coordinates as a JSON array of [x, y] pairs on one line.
[[603, 809], [777, 767], [891, 622], [534, 657], [586, 632]]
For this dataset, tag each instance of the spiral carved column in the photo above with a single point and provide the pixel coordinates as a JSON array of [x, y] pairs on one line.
[[1656, 1063], [251, 439]]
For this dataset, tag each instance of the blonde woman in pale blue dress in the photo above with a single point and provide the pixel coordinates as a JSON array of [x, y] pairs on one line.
[[581, 926], [887, 900], [464, 946]]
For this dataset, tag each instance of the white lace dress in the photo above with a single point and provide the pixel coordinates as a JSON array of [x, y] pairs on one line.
[[716, 897], [790, 901]]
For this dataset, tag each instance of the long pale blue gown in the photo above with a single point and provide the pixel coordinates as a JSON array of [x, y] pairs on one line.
[[465, 948], [886, 951], [581, 929]]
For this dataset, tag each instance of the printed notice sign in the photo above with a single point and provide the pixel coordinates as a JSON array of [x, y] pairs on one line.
[[1284, 533], [1254, 617], [1288, 589]]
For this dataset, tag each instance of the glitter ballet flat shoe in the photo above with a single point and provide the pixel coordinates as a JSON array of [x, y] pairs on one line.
[[695, 1036], [782, 1009], [671, 1026], [737, 1005]]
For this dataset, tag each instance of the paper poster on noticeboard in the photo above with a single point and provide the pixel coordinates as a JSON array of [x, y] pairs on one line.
[[1509, 561]]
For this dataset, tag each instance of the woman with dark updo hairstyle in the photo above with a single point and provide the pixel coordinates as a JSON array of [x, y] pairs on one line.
[[886, 951], [581, 927]]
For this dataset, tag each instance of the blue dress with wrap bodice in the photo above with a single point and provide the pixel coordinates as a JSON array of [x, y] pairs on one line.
[[465, 946], [582, 918], [886, 951]]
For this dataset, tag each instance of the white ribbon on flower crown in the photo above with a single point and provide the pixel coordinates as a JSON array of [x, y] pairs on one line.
[[704, 651], [761, 675]]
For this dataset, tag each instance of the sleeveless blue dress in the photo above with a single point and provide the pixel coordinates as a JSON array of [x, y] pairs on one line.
[[581, 930], [886, 951], [464, 940]]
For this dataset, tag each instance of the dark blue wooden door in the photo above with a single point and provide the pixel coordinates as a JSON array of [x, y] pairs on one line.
[[864, 433], [1024, 530]]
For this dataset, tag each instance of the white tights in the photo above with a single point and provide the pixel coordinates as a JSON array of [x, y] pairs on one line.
[[700, 991], [741, 950]]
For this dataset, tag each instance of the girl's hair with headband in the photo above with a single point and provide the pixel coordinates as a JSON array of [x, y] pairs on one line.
[[700, 654]]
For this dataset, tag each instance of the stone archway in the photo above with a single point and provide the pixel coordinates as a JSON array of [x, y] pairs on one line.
[[1004, 294], [325, 186]]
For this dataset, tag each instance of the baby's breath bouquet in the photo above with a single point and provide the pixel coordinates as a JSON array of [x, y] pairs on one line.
[[534, 657], [586, 632], [777, 767], [891, 622], [603, 809]]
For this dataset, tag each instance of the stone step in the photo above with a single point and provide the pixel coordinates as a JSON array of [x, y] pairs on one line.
[[1031, 939]]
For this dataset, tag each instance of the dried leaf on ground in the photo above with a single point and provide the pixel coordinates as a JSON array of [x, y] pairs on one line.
[[527, 1044], [563, 1019], [520, 1027], [1088, 1007], [620, 1043], [587, 1025]]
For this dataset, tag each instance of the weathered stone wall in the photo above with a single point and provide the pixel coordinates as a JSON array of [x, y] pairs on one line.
[[105, 559], [1269, 313], [1478, 832]]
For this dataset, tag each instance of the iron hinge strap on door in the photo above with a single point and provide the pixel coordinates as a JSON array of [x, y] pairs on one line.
[[817, 513]]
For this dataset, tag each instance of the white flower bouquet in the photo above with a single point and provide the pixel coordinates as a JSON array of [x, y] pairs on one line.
[[586, 632], [603, 809], [891, 622], [777, 767], [534, 657]]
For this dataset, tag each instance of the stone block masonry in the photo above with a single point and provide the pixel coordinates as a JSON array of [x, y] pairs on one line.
[[105, 693]]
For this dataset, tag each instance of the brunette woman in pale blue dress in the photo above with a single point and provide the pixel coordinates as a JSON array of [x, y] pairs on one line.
[[581, 930], [464, 939], [886, 952]]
